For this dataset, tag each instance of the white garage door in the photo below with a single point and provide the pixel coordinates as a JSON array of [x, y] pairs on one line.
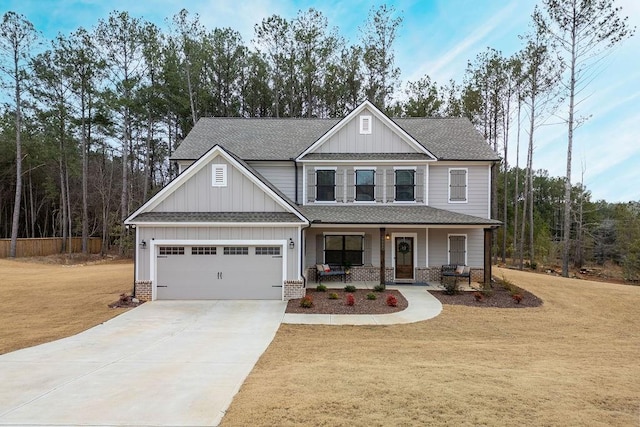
[[219, 272]]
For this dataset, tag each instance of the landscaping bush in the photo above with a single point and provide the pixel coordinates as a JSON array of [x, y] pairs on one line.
[[478, 296], [517, 298], [509, 286], [350, 288], [351, 300], [451, 287], [392, 301], [321, 288], [333, 295], [379, 287], [306, 302], [371, 296]]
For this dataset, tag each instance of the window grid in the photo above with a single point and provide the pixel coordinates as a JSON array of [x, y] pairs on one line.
[[268, 250], [203, 250], [171, 250], [236, 250]]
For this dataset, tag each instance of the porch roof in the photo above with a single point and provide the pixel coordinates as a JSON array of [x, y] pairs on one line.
[[374, 214]]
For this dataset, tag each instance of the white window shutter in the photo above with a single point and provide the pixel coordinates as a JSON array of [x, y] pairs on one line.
[[219, 175], [365, 125]]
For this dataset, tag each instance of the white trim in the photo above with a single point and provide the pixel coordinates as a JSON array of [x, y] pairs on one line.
[[215, 224], [426, 242], [414, 249], [377, 161], [404, 168], [218, 175], [426, 185], [466, 247], [381, 116], [325, 168], [366, 130], [364, 168], [404, 202], [466, 186], [334, 169], [395, 226], [215, 151], [340, 233], [304, 184], [489, 191], [355, 185], [153, 268]]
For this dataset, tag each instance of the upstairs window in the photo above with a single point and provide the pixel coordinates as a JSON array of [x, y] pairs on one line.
[[326, 186], [458, 185], [405, 185], [365, 185]]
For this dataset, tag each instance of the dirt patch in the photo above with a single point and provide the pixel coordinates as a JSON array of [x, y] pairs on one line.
[[498, 297], [75, 259], [322, 304]]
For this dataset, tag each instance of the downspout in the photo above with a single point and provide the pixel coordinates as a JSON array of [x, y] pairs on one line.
[[295, 166], [303, 244]]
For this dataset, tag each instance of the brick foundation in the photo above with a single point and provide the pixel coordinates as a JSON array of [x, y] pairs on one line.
[[143, 290], [294, 289], [372, 274]]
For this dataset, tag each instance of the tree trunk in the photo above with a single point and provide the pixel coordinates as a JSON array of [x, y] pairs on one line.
[[516, 200], [16, 202]]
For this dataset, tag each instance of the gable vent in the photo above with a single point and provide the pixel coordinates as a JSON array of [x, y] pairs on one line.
[[365, 125], [219, 175]]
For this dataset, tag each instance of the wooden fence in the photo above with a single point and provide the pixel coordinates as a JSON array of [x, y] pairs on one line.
[[48, 246]]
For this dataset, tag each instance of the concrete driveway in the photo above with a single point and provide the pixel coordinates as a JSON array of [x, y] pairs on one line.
[[165, 363]]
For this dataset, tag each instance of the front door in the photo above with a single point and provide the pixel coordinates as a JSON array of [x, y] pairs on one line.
[[404, 258]]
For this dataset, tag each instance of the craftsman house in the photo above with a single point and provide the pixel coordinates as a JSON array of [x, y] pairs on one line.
[[260, 202]]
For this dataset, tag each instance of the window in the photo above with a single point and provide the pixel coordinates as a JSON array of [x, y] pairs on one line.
[[339, 250], [457, 185], [326, 185], [203, 250], [268, 250], [171, 250], [236, 250], [365, 125], [405, 185], [457, 249], [365, 185], [219, 175]]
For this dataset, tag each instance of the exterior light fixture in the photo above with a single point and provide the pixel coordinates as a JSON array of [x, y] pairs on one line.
[[291, 243], [143, 245], [387, 236]]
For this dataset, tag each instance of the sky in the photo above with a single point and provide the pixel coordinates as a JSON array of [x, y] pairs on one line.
[[437, 38]]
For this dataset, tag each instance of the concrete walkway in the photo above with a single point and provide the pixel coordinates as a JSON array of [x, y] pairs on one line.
[[165, 363], [422, 306]]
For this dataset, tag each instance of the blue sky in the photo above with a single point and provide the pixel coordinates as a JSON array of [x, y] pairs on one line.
[[437, 38]]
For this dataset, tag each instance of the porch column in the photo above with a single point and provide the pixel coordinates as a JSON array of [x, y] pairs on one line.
[[488, 236], [382, 256]]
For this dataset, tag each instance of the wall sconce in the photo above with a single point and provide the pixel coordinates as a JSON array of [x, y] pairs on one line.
[[291, 244], [387, 237], [143, 245]]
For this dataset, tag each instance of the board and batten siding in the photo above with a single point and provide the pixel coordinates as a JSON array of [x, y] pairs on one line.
[[438, 246], [478, 183], [280, 174], [384, 190], [382, 139], [198, 195], [192, 234]]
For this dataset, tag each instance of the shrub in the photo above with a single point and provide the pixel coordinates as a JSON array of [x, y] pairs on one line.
[[379, 287], [517, 298], [351, 300], [478, 296], [350, 288], [392, 301], [333, 295], [371, 296], [321, 288], [451, 287], [509, 286], [306, 302]]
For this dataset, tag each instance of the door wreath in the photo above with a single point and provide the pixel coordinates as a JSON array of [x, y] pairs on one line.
[[403, 247]]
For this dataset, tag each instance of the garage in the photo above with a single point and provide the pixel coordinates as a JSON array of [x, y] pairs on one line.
[[221, 271]]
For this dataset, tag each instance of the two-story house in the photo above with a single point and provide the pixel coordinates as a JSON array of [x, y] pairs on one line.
[[258, 203]]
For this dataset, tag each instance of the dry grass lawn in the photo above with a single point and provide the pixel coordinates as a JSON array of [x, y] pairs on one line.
[[40, 302], [573, 361]]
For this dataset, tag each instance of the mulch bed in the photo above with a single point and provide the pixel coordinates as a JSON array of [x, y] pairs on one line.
[[499, 298], [125, 301], [323, 305]]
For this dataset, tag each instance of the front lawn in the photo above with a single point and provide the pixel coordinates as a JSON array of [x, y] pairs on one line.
[[573, 361]]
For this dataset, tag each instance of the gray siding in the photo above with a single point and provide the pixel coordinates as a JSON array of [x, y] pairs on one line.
[[198, 195], [381, 140], [280, 174], [217, 233], [477, 194], [384, 183], [438, 246]]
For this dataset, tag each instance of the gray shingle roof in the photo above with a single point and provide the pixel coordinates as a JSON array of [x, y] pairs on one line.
[[366, 156], [375, 214], [285, 139], [216, 217]]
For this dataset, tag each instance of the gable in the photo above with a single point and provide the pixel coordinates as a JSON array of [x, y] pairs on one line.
[[366, 130], [217, 182]]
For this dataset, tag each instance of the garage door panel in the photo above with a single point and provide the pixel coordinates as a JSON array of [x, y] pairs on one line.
[[233, 272]]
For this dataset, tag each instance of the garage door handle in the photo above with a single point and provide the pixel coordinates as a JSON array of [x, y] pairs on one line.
[[276, 286], [162, 286]]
